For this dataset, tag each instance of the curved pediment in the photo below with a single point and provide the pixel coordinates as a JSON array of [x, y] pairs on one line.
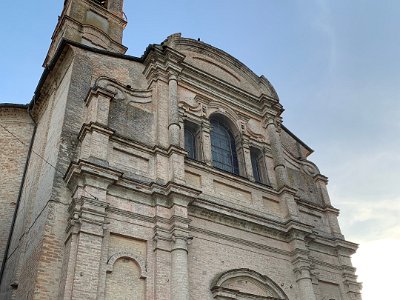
[[221, 65], [245, 283]]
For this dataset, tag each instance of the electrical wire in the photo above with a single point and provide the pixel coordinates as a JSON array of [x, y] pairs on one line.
[[38, 155]]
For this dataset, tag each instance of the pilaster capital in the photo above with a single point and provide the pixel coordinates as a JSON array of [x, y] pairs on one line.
[[87, 214], [302, 268], [180, 240], [172, 75]]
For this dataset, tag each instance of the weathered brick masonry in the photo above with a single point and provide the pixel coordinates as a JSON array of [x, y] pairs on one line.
[[168, 176]]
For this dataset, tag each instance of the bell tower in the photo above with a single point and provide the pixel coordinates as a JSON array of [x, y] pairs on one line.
[[95, 23]]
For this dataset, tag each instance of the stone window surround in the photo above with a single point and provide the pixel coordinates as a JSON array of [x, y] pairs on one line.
[[243, 145]]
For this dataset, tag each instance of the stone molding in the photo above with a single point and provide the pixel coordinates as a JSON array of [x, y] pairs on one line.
[[218, 290], [124, 254], [177, 41], [122, 92]]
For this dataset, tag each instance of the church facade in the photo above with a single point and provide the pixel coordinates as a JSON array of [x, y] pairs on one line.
[[169, 176]]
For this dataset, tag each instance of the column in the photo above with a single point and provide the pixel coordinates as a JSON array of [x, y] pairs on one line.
[[302, 264], [288, 204], [173, 125], [179, 268], [304, 282], [277, 152]]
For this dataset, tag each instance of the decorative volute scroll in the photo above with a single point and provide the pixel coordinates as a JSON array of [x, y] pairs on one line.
[[309, 168], [199, 110], [245, 284], [123, 92]]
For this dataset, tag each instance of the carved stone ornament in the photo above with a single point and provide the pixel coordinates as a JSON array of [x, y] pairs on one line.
[[123, 92], [198, 110], [310, 168]]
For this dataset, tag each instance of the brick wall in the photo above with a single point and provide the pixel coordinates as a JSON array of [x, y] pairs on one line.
[[13, 155]]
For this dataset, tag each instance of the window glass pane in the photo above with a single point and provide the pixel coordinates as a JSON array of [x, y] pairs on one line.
[[255, 165], [223, 148], [190, 143]]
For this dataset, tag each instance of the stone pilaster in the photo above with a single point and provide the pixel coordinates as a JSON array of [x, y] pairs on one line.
[[304, 280], [173, 125], [98, 106], [352, 287], [301, 262], [95, 135], [94, 140], [206, 142], [171, 236], [86, 228], [162, 259], [288, 203], [330, 212], [179, 249], [179, 266], [277, 152], [85, 254], [176, 165], [247, 158]]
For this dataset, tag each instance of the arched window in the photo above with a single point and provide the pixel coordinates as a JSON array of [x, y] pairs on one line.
[[223, 147]]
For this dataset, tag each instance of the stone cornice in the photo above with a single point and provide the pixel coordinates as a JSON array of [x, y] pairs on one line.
[[160, 62], [176, 41], [314, 206], [215, 88], [238, 219], [87, 167], [243, 180], [90, 127], [244, 242]]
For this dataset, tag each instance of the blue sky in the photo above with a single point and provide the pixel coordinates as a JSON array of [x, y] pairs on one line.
[[334, 64]]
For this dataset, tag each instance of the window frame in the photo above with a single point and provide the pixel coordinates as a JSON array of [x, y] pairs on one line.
[[224, 154], [257, 158], [192, 129]]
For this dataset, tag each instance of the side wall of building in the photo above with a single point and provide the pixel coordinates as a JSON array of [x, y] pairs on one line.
[[15, 137], [32, 233]]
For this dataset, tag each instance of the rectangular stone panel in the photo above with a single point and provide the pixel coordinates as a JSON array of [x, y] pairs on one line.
[[130, 161], [227, 191], [193, 179], [271, 205]]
